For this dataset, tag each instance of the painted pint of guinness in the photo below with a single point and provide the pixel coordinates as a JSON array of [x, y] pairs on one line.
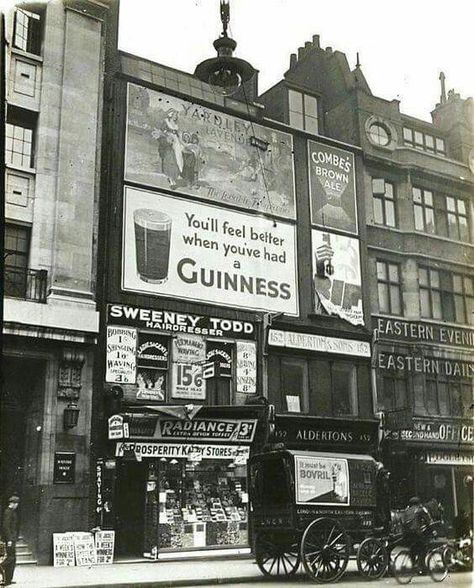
[[152, 240]]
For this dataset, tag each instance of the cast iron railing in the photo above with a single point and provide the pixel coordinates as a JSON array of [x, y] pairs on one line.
[[25, 283]]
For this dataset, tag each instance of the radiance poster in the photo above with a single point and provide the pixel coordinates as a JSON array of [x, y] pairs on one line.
[[332, 187], [175, 144], [194, 251], [337, 276], [322, 480]]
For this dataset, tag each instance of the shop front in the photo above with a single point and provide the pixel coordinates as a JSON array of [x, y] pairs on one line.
[[179, 479], [433, 459]]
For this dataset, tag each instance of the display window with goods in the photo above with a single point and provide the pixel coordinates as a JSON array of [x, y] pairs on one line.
[[195, 503]]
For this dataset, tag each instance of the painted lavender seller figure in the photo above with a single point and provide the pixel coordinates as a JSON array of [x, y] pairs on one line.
[[10, 536]]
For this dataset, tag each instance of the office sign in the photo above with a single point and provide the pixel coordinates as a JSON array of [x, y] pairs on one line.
[[198, 252], [442, 431], [332, 187], [178, 145]]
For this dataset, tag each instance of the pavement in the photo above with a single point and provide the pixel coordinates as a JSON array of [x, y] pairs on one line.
[[145, 574], [167, 574]]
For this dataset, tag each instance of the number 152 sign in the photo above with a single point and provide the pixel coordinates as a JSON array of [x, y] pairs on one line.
[[187, 381]]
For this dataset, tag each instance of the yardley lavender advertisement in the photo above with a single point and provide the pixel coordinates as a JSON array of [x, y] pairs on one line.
[[337, 277], [178, 145], [332, 187], [207, 254]]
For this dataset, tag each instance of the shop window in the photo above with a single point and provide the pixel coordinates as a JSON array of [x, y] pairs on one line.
[[424, 141], [303, 111], [192, 504], [270, 483], [294, 385], [344, 389], [384, 202], [445, 296], [19, 137], [394, 392], [389, 288], [27, 31], [424, 211]]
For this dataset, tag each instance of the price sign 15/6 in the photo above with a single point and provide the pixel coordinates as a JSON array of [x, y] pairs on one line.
[[188, 381]]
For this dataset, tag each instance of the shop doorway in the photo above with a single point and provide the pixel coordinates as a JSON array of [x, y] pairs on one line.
[[21, 425], [130, 508]]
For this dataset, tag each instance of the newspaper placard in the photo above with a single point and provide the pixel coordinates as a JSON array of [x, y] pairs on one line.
[[104, 547], [63, 550], [246, 367], [84, 549]]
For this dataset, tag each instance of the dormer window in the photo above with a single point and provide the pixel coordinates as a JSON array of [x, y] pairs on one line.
[[303, 111]]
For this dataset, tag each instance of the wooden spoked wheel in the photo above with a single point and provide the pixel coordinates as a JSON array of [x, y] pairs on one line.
[[325, 548], [372, 558], [277, 557]]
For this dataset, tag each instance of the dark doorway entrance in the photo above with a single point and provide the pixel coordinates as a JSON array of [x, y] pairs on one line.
[[130, 508]]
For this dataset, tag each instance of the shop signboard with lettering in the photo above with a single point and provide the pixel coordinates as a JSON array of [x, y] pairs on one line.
[[176, 322], [219, 353], [422, 332], [121, 348], [442, 431], [212, 255], [153, 449], [152, 351], [401, 362], [189, 355], [455, 458], [224, 430], [326, 433], [311, 342], [337, 276], [332, 187], [64, 471], [178, 145], [246, 367], [322, 481]]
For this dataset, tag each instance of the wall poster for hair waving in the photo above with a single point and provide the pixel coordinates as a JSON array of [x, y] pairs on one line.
[[189, 250], [174, 144]]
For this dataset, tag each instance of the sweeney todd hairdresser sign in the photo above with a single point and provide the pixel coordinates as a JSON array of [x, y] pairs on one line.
[[195, 251], [175, 144]]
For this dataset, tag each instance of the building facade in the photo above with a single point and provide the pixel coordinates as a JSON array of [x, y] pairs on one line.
[[50, 321], [418, 190], [237, 286]]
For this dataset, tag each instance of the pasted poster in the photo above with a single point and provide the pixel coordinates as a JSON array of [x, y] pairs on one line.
[[322, 480], [220, 353], [188, 250], [121, 355], [246, 367], [337, 276], [174, 144], [152, 363], [189, 355], [332, 187]]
